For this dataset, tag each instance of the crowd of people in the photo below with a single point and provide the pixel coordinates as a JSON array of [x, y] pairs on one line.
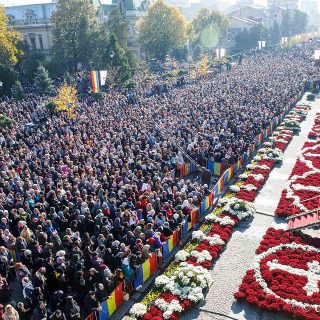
[[84, 201]]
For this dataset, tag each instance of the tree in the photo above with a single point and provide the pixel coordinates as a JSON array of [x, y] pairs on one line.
[[9, 39], [209, 27], [203, 65], [116, 61], [275, 33], [42, 82], [66, 100], [300, 22], [243, 40], [286, 24], [17, 91], [30, 62], [118, 25], [8, 77], [163, 29], [6, 122], [75, 31]]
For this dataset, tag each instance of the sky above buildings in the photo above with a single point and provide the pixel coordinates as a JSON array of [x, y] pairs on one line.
[[21, 2]]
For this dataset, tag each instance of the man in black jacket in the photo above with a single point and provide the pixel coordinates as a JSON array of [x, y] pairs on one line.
[[72, 309]]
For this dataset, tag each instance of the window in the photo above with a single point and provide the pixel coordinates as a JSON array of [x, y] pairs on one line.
[[33, 42], [40, 41]]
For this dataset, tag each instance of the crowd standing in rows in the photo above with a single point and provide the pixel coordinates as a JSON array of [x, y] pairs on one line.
[[84, 201]]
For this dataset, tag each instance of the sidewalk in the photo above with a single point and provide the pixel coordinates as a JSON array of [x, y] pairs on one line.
[[232, 265]]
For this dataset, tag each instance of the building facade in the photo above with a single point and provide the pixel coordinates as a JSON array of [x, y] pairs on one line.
[[285, 4], [34, 23]]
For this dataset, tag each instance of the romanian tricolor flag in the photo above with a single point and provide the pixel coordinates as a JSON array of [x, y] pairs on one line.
[[112, 303], [95, 81], [147, 269]]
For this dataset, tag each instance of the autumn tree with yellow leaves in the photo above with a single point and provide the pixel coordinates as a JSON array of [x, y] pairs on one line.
[[9, 52], [66, 100], [203, 65]]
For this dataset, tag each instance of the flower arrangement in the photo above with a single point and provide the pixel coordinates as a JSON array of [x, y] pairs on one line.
[[185, 281], [303, 185], [284, 276]]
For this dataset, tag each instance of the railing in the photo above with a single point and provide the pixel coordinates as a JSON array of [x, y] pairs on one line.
[[150, 266], [218, 168]]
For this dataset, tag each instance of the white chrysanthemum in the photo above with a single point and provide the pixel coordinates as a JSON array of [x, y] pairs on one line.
[[138, 310]]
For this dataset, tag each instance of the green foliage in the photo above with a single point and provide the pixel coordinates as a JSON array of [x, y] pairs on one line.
[[30, 63], [197, 52], [286, 24], [247, 40], [180, 54], [50, 106], [118, 25], [75, 31], [294, 23], [311, 97], [17, 91], [131, 84], [42, 82], [300, 22], [8, 77], [243, 40], [163, 29], [6, 122], [9, 39], [208, 28], [275, 33], [116, 62], [132, 58]]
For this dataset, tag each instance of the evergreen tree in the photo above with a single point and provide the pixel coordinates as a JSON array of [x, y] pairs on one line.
[[243, 40], [275, 33], [17, 91], [42, 82], [118, 25], [286, 24], [116, 61]]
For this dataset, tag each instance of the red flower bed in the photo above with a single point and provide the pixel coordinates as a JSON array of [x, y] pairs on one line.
[[285, 276], [247, 195], [315, 131], [302, 193]]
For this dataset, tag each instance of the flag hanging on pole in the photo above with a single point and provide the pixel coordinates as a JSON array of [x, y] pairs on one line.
[[103, 77], [95, 81]]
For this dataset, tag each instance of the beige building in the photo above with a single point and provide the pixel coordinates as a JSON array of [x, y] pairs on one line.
[[34, 23]]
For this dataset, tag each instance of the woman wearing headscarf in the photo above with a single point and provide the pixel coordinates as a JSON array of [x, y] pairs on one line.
[[10, 313]]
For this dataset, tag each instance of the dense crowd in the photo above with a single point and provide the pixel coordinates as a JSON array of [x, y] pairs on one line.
[[84, 201]]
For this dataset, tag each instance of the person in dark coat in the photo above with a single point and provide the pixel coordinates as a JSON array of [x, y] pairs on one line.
[[72, 309], [40, 312], [58, 315], [4, 290], [24, 312], [91, 303]]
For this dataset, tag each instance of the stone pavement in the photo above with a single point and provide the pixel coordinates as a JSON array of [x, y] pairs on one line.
[[237, 258]]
